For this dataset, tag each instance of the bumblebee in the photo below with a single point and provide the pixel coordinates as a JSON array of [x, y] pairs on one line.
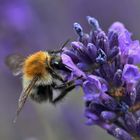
[[40, 76]]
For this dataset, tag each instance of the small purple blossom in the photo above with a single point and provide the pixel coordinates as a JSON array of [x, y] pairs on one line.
[[75, 70], [93, 86], [110, 77], [129, 49], [130, 74]]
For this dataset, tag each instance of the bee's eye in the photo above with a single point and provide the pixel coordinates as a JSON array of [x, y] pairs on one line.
[[55, 63]]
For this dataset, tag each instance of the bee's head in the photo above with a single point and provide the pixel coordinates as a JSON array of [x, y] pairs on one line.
[[57, 63], [35, 64]]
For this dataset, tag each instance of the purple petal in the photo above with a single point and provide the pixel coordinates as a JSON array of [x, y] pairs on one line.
[[130, 122], [92, 51], [133, 96], [138, 126], [78, 29], [102, 41], [108, 115], [108, 102], [117, 80], [101, 58], [93, 85], [118, 27], [81, 52], [113, 53], [94, 80], [67, 61], [113, 39], [124, 38], [92, 118], [76, 45], [91, 88], [99, 83], [134, 52], [123, 34], [138, 91], [84, 39], [83, 66], [119, 133], [130, 73], [89, 122], [107, 72], [93, 22], [90, 96], [73, 56]]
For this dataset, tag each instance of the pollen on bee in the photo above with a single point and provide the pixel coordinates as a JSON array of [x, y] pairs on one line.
[[35, 64]]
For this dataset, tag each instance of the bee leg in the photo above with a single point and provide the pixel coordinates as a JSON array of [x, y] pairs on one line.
[[55, 75], [55, 86], [63, 93], [58, 77], [66, 83], [65, 88]]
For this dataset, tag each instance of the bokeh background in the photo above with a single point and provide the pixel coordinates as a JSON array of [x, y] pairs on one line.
[[27, 26]]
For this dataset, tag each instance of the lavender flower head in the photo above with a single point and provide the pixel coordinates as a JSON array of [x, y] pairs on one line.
[[110, 77]]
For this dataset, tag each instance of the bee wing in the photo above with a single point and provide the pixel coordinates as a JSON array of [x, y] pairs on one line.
[[15, 63], [24, 95]]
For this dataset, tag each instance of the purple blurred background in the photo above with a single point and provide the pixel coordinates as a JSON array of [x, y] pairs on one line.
[[27, 26]]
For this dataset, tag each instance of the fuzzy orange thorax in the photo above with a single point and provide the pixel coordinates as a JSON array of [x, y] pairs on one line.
[[35, 64]]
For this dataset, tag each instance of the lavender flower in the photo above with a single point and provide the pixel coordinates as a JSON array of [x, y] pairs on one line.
[[110, 77]]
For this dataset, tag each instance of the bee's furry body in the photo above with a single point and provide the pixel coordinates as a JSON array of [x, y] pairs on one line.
[[39, 92], [36, 65]]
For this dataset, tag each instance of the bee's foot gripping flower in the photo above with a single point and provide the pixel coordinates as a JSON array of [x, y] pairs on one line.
[[108, 64]]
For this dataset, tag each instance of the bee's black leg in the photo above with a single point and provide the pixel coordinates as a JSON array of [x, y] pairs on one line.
[[63, 93], [54, 74], [57, 76], [64, 88], [66, 84], [55, 86]]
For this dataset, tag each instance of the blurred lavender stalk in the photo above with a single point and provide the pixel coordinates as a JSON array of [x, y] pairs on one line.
[[109, 66]]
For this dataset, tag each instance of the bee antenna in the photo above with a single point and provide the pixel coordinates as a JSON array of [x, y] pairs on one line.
[[61, 49], [65, 43]]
